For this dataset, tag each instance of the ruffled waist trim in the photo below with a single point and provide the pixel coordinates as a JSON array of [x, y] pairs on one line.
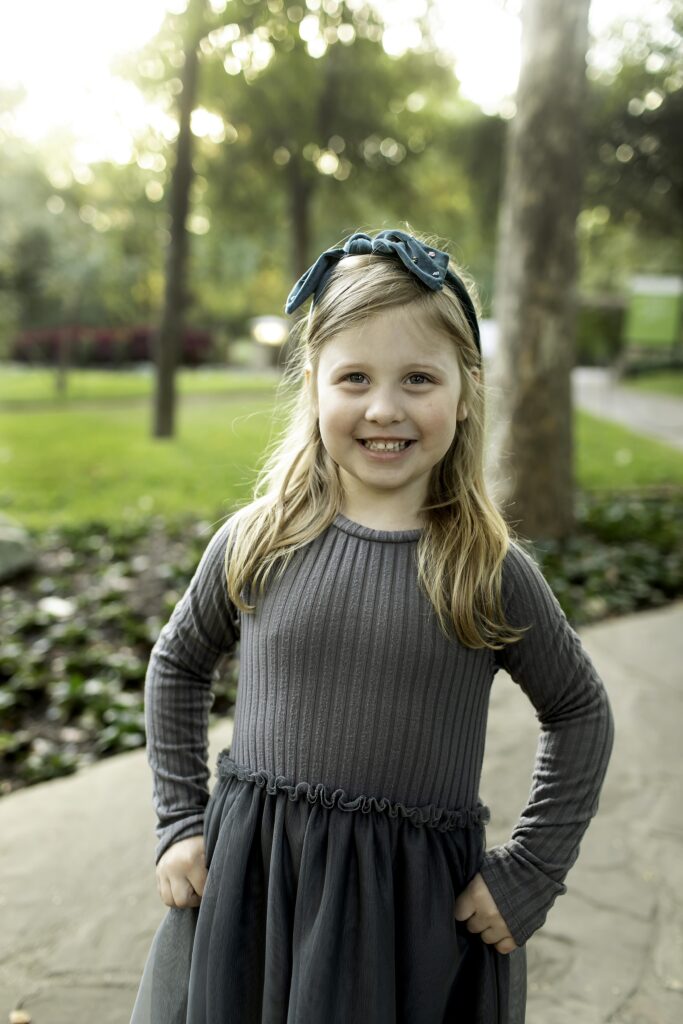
[[441, 818]]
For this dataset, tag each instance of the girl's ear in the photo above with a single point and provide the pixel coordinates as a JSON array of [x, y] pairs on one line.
[[462, 413]]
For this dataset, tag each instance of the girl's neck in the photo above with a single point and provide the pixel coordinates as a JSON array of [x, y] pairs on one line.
[[383, 519]]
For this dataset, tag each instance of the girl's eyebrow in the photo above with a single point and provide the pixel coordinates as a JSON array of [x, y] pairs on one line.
[[408, 366]]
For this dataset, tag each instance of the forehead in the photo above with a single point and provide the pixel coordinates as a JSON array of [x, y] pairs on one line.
[[391, 338]]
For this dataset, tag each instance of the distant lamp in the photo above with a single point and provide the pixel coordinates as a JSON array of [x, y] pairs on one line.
[[269, 330], [270, 333]]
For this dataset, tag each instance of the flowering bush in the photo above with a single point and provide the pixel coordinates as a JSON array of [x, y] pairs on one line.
[[104, 346]]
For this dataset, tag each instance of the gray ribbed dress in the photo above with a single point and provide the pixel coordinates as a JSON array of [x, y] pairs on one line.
[[345, 816]]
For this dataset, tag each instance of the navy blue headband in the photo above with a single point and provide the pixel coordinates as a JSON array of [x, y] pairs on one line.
[[427, 264]]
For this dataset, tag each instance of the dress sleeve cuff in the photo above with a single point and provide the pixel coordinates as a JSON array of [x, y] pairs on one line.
[[522, 892], [193, 826]]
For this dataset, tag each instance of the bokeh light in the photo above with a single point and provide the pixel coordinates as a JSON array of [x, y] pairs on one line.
[[60, 55]]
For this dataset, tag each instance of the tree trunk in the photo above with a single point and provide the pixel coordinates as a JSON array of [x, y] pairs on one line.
[[168, 339], [299, 201], [67, 337], [535, 292], [299, 215]]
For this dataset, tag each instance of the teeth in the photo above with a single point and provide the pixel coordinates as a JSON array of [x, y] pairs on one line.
[[383, 446]]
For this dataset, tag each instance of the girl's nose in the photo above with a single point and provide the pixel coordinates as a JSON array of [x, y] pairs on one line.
[[384, 404]]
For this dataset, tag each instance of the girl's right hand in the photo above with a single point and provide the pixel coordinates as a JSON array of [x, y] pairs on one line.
[[181, 873]]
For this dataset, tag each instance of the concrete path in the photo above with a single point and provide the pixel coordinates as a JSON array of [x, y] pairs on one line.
[[658, 416], [612, 947], [79, 905]]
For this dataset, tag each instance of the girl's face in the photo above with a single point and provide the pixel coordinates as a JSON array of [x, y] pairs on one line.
[[390, 378]]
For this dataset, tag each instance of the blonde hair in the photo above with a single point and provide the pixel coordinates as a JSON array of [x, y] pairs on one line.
[[298, 490]]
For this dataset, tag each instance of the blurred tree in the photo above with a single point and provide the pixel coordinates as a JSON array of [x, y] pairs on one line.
[[306, 93], [633, 196], [535, 300], [399, 143], [30, 256], [167, 341], [313, 127], [307, 162], [26, 245], [289, 100], [241, 178], [84, 248]]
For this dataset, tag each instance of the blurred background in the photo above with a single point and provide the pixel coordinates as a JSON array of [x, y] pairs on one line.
[[169, 168]]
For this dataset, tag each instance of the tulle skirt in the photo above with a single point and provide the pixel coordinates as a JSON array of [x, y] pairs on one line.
[[318, 909]]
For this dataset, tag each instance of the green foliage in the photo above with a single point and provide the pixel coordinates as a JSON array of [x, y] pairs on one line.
[[599, 333], [71, 689], [310, 148], [633, 194], [634, 147], [313, 148], [626, 555]]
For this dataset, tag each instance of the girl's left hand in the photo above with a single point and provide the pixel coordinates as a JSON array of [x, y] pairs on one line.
[[476, 906]]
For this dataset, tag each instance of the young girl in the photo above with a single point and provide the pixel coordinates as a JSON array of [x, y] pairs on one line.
[[338, 872]]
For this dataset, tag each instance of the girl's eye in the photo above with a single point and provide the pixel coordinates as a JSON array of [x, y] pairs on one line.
[[359, 374]]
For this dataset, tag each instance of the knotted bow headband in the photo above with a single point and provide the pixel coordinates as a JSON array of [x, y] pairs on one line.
[[427, 264]]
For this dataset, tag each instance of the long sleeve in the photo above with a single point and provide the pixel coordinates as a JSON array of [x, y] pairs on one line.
[[526, 874], [178, 697]]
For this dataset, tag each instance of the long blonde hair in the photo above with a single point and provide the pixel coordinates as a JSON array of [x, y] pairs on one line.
[[298, 490]]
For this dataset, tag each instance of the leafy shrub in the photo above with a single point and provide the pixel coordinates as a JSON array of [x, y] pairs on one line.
[[599, 332]]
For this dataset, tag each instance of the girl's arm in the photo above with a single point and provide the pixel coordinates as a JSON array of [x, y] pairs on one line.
[[178, 697], [527, 873]]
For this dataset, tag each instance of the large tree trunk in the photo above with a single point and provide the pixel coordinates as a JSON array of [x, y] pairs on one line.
[[535, 302], [168, 339]]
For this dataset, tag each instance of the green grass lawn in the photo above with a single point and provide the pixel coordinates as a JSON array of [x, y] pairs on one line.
[[609, 456], [80, 464], [96, 460], [25, 384]]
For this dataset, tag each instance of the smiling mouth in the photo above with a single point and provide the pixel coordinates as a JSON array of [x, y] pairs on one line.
[[403, 445]]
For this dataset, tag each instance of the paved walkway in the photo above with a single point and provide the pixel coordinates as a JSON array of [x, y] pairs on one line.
[[79, 903], [659, 416]]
